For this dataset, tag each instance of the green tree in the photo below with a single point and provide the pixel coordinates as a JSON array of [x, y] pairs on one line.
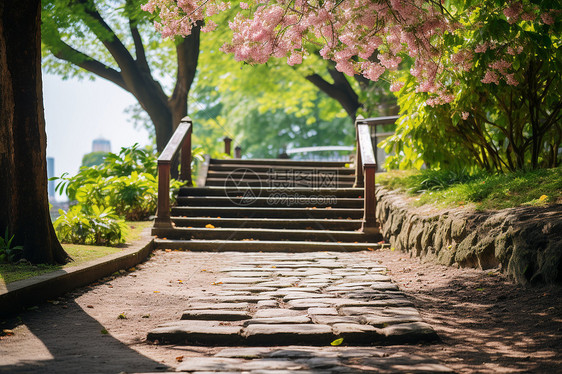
[[502, 75], [93, 158], [115, 40]]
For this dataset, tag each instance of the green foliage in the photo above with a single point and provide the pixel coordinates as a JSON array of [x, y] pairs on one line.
[[94, 225], [7, 252], [93, 158], [492, 126], [123, 187], [483, 190]]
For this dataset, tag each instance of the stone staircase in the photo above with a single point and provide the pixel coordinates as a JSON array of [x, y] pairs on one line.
[[269, 205]]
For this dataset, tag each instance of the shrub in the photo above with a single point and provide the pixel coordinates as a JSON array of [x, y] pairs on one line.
[[91, 225]]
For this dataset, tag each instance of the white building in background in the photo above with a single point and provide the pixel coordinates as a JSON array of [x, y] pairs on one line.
[[101, 145]]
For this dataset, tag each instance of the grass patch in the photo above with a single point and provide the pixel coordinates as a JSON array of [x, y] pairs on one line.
[[481, 190], [80, 253]]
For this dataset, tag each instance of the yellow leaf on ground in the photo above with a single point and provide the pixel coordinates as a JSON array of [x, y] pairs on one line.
[[337, 341], [543, 198], [209, 226]]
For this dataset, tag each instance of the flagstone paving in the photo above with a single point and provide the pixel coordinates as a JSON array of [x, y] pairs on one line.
[[309, 298]]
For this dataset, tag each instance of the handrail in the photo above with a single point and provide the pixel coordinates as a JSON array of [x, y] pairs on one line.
[[180, 140], [366, 167], [375, 121]]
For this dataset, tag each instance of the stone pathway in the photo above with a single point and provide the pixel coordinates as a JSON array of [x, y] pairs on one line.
[[310, 299]]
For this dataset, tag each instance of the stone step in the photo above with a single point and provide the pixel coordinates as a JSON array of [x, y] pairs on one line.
[[266, 192], [312, 360], [279, 201], [243, 174], [289, 183], [251, 212], [277, 161], [264, 234], [282, 169], [262, 246], [279, 223]]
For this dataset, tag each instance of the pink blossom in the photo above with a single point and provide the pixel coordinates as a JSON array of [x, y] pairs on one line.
[[490, 77], [465, 115], [547, 18], [294, 59], [244, 5], [510, 79], [396, 86]]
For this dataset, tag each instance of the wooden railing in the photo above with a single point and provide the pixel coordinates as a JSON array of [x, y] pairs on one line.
[[180, 140], [366, 166]]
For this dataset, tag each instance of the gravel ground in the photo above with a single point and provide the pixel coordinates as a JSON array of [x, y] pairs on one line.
[[487, 324]]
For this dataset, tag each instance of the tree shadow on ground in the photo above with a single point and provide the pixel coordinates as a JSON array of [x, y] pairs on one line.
[[488, 323], [80, 344]]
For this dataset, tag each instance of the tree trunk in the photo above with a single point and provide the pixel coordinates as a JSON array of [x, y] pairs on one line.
[[23, 171]]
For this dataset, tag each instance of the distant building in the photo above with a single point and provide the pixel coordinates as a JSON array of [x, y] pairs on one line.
[[101, 145], [50, 174]]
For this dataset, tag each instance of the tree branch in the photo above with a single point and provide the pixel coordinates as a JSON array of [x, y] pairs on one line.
[[65, 52], [339, 91], [139, 47]]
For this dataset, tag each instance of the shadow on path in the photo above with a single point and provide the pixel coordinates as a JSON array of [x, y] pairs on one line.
[[84, 350]]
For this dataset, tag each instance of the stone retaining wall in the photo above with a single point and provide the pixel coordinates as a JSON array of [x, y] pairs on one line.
[[525, 242]]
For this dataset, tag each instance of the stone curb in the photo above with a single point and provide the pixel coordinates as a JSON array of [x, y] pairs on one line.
[[24, 293]]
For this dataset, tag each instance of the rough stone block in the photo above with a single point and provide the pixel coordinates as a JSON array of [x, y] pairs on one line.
[[279, 312], [197, 333], [413, 332], [278, 320], [285, 334], [215, 315]]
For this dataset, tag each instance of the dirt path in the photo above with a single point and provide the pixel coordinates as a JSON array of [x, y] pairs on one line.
[[486, 323]]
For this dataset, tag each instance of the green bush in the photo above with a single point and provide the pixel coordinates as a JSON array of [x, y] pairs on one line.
[[91, 225], [123, 187]]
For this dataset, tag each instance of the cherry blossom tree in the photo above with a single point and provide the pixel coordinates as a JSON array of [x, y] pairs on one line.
[[510, 47]]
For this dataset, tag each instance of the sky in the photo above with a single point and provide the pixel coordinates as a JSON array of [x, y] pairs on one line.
[[77, 112]]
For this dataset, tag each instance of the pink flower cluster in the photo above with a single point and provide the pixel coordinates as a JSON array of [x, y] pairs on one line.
[[367, 37]]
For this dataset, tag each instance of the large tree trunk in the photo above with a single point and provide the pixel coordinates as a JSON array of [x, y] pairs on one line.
[[24, 207]]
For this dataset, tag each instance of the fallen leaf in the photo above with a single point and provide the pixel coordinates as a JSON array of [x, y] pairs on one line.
[[179, 358], [370, 249], [146, 316], [104, 331], [337, 341], [8, 332], [156, 291], [90, 306], [168, 250], [209, 226], [328, 207], [122, 316], [543, 198]]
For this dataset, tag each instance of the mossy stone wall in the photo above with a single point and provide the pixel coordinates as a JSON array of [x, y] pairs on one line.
[[524, 242]]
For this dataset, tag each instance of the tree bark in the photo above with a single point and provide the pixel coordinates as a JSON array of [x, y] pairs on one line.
[[340, 90], [23, 171]]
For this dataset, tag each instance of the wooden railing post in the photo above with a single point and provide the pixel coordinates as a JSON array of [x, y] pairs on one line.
[[369, 200], [181, 139], [185, 170], [238, 152], [358, 162], [227, 143], [163, 214]]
